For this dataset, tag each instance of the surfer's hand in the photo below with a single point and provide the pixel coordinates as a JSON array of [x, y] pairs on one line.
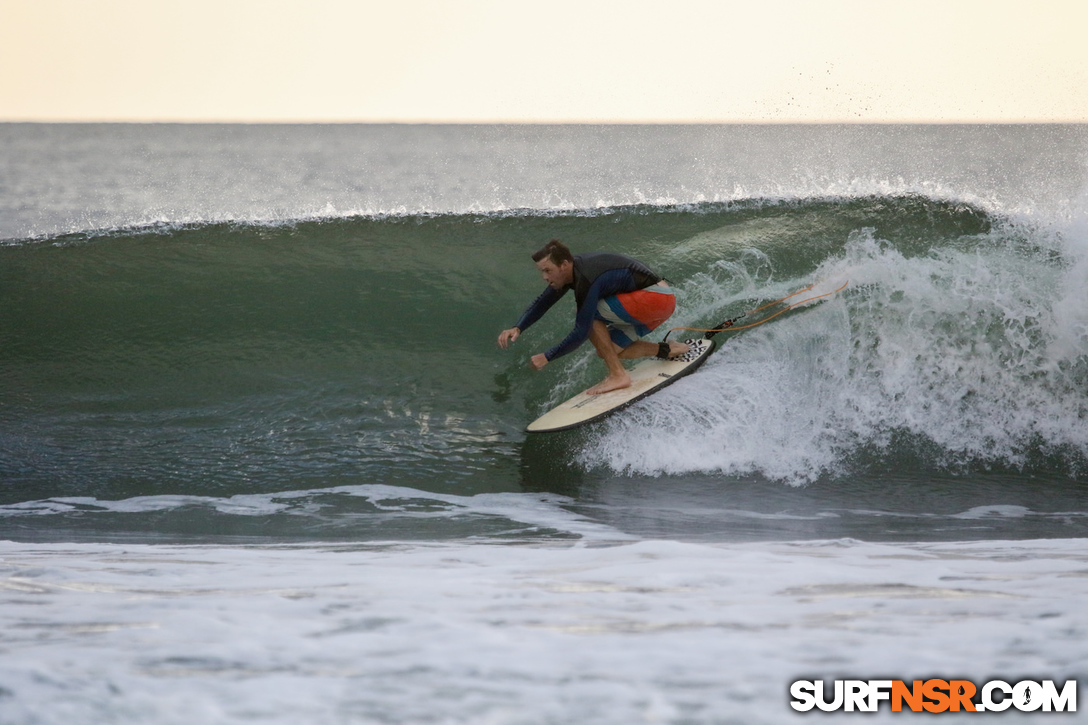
[[508, 336], [538, 361]]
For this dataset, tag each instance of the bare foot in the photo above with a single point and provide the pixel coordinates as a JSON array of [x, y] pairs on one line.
[[612, 382], [676, 349]]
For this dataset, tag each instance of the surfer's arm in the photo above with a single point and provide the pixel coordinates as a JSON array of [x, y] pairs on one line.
[[582, 322], [610, 283], [536, 310]]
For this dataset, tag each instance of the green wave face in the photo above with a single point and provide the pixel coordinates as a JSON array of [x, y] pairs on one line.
[[224, 359]]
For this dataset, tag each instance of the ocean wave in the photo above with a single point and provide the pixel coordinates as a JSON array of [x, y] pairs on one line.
[[254, 355], [970, 354]]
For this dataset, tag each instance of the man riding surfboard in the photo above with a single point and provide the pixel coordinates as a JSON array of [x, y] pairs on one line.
[[619, 301]]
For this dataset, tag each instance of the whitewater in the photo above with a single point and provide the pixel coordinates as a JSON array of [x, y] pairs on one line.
[[261, 459]]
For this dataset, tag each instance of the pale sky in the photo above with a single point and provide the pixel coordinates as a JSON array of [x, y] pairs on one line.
[[544, 61]]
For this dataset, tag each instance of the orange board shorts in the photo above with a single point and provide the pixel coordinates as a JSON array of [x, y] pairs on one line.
[[630, 316]]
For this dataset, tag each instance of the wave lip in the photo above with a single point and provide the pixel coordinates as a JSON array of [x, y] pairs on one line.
[[64, 178]]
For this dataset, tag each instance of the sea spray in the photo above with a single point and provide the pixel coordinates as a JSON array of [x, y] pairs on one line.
[[957, 349]]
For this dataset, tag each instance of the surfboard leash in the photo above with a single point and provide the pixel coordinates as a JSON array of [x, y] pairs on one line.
[[728, 324]]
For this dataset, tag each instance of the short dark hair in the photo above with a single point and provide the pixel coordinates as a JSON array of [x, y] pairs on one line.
[[554, 250]]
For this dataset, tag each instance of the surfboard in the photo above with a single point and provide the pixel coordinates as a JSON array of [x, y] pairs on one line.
[[648, 376]]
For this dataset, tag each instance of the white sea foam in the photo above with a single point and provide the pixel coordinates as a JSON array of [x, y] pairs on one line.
[[543, 510], [648, 631], [979, 350]]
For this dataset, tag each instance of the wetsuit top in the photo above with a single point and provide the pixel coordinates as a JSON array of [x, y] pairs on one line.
[[596, 275]]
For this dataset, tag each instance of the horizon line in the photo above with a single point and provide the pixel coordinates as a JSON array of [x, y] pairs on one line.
[[555, 122]]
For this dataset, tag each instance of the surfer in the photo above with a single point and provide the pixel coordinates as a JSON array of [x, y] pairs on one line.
[[619, 301]]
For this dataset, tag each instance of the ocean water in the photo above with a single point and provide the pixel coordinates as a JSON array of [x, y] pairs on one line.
[[262, 460]]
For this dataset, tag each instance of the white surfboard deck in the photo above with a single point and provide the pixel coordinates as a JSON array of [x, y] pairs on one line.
[[647, 376]]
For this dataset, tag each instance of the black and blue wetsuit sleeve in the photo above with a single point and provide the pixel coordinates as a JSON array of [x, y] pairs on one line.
[[612, 282], [540, 305]]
